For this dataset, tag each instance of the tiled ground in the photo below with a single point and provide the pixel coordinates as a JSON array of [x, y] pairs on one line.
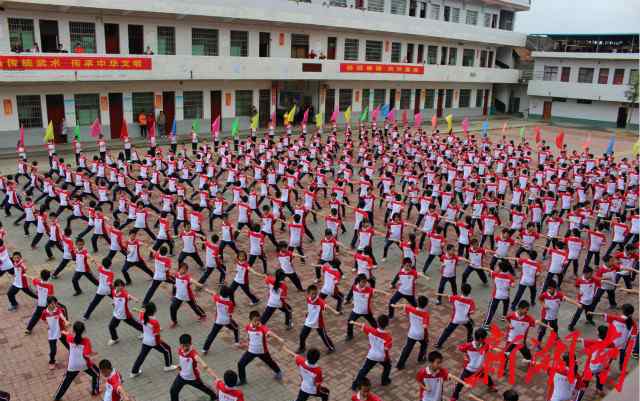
[[23, 368]]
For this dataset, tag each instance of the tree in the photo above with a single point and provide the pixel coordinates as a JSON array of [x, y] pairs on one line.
[[632, 94]]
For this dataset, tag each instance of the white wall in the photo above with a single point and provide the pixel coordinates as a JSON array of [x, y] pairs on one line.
[[597, 111]]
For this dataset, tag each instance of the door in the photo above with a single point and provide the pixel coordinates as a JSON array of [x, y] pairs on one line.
[[264, 107], [485, 103], [416, 104], [622, 117], [112, 38], [329, 104], [546, 111], [169, 108], [216, 106], [440, 102], [331, 48], [116, 115], [392, 99], [55, 114], [49, 37], [136, 39]]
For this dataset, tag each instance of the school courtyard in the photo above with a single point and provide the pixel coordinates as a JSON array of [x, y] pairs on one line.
[[23, 363]]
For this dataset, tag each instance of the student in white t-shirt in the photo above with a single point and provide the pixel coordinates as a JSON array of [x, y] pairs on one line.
[[315, 320], [418, 330], [257, 347]]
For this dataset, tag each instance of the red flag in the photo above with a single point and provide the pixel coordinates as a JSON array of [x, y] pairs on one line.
[[405, 118], [152, 130], [538, 134], [273, 119], [124, 131], [560, 139], [21, 143], [587, 143], [305, 117], [434, 121]]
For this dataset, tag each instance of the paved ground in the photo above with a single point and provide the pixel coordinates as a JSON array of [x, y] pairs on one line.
[[23, 367]]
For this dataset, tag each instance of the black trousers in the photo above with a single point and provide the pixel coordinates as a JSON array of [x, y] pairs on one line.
[[467, 272], [397, 296], [13, 291], [53, 348], [354, 317], [451, 327], [193, 255], [94, 240], [69, 377], [50, 244], [35, 317], [338, 296], [493, 307], [154, 286], [323, 394], [524, 351], [63, 263], [443, 283], [408, 347], [322, 332], [366, 368], [177, 303], [93, 305], [578, 313], [161, 347], [233, 326], [543, 330], [179, 383], [245, 288], [253, 258], [246, 359], [465, 374], [269, 310], [159, 242], [115, 322], [207, 272], [75, 280], [520, 292], [128, 265]]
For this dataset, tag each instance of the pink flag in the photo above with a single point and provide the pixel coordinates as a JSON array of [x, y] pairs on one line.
[[392, 116], [504, 127], [405, 118], [21, 143], [152, 130], [417, 118], [538, 134], [273, 119], [434, 121], [96, 129], [465, 125], [587, 143], [334, 115], [215, 127], [374, 114], [305, 117]]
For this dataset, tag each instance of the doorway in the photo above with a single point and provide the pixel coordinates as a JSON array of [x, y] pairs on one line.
[[264, 107], [169, 108], [546, 111], [136, 39], [329, 104], [55, 114], [439, 109], [216, 106], [116, 115], [416, 104], [49, 37], [112, 38], [332, 44], [392, 99], [485, 103], [622, 117]]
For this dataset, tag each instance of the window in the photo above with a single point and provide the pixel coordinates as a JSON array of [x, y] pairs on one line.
[[472, 17], [468, 57], [566, 73], [399, 7], [434, 11], [204, 42], [618, 76], [483, 58], [21, 35], [193, 105], [375, 5], [479, 97], [455, 15], [239, 43], [487, 20], [373, 50], [420, 59], [583, 101], [429, 98], [142, 102], [490, 61], [264, 44], [166, 40], [299, 45], [603, 76], [379, 97], [136, 39], [405, 99], [396, 52], [366, 97], [29, 111], [83, 37], [443, 56], [432, 55], [447, 14], [453, 56], [244, 103], [409, 58], [550, 73], [351, 49], [633, 77], [465, 98], [332, 44], [585, 75], [448, 100], [87, 108], [559, 99], [344, 98]]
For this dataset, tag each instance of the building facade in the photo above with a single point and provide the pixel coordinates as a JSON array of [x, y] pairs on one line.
[[585, 78], [70, 61]]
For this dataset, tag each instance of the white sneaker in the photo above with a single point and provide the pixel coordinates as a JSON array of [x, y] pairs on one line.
[[170, 368], [112, 342], [132, 375]]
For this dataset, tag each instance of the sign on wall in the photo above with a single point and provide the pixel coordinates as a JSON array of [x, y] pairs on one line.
[[25, 63], [381, 68]]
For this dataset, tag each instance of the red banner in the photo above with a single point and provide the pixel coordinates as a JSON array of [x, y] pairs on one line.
[[24, 63], [382, 68]]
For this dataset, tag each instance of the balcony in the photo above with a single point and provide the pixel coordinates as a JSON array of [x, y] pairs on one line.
[[574, 90], [184, 68]]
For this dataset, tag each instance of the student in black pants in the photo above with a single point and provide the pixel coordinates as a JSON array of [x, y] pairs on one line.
[[189, 374], [79, 360], [372, 360], [257, 348], [151, 340], [121, 311], [104, 287], [224, 318], [20, 282], [462, 318], [416, 334]]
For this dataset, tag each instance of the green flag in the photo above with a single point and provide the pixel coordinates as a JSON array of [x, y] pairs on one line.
[[235, 127], [76, 132], [365, 114], [195, 126], [522, 133]]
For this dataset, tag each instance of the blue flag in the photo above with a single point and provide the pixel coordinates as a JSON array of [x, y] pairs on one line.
[[485, 128], [612, 143], [173, 128], [384, 111]]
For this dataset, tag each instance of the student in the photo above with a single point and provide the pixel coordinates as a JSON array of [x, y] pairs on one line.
[[606, 273], [436, 240], [121, 312], [54, 316], [257, 348], [113, 389], [463, 307], [362, 294], [227, 387], [586, 286], [530, 270], [134, 257], [475, 352], [277, 299], [224, 318], [104, 288], [43, 290], [432, 377], [405, 284], [80, 352], [285, 260], [82, 268], [151, 340], [314, 320], [184, 293], [557, 265], [551, 300], [625, 326], [331, 276], [20, 282], [502, 283], [189, 372], [362, 392], [475, 256], [448, 265], [68, 253], [380, 343], [518, 323], [418, 330], [213, 260], [256, 247], [161, 273], [241, 279]]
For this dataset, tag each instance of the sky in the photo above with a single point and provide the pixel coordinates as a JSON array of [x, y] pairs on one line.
[[580, 16]]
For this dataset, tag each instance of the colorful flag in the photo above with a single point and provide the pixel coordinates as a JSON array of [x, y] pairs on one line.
[[235, 127], [291, 115], [449, 120], [319, 119], [305, 117], [254, 121], [96, 128], [384, 110], [465, 125], [392, 116], [504, 127], [417, 120], [273, 119], [374, 113], [364, 116], [124, 131], [611, 145], [21, 142], [587, 143], [405, 118], [485, 128], [635, 150], [560, 139], [195, 125], [215, 126], [434, 121], [152, 130], [48, 133], [538, 132], [334, 115], [174, 129], [522, 133], [347, 115]]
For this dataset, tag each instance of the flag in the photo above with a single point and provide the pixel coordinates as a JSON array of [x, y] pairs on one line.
[[538, 132], [374, 113], [465, 125], [417, 120], [48, 133], [384, 110], [319, 119], [485, 128], [392, 116], [288, 117], [195, 125], [21, 142], [96, 129], [174, 129], [434, 121], [587, 143], [560, 139], [364, 116], [305, 117], [215, 126], [124, 131], [273, 119], [76, 132], [347, 115], [334, 115], [522, 133], [611, 145], [405, 118], [635, 150], [235, 127], [254, 121], [449, 120], [504, 127], [152, 130]]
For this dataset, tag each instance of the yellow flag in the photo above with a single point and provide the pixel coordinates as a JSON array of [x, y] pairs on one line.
[[254, 121], [347, 115], [319, 120], [636, 148], [449, 120], [292, 114], [48, 133]]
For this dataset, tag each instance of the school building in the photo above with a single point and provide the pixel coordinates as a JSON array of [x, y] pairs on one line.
[[71, 61]]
